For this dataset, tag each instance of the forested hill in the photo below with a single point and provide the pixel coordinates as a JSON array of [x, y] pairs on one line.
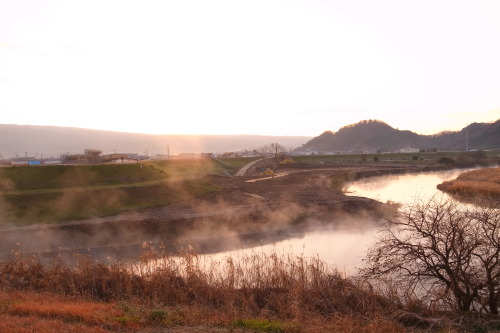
[[375, 135]]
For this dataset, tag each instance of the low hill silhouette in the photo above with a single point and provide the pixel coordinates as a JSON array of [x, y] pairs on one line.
[[376, 135], [54, 141]]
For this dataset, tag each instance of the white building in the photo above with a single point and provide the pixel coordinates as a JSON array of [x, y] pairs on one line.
[[409, 150]]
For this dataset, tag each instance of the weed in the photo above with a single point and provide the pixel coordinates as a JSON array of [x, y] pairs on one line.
[[158, 315], [262, 325], [126, 320], [5, 305]]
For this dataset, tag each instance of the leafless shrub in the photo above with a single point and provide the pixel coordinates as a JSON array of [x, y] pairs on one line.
[[442, 254]]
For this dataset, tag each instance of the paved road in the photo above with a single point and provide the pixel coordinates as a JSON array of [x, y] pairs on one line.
[[243, 170]]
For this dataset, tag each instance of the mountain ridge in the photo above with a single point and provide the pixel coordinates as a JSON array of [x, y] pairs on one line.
[[364, 136], [377, 136]]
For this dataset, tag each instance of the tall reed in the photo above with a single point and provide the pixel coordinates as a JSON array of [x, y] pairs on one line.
[[280, 285]]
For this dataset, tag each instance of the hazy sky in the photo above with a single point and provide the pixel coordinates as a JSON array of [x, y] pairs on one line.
[[249, 67]]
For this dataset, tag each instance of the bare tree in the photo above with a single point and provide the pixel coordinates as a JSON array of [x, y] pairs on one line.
[[274, 152], [487, 255], [449, 250]]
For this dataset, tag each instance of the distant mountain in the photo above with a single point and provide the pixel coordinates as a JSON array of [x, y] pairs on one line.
[[30, 140], [375, 135]]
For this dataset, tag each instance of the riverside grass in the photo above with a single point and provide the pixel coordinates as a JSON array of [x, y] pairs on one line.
[[192, 293], [482, 182], [263, 293]]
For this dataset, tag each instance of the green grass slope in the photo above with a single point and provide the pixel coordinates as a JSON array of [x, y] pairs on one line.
[[52, 194]]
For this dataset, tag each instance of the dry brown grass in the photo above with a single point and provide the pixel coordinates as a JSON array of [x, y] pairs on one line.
[[267, 293], [483, 182], [34, 312], [187, 291]]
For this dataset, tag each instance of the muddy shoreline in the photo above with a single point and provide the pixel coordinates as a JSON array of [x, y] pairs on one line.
[[243, 214]]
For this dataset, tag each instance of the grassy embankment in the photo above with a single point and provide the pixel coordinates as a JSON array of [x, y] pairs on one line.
[[483, 183], [51, 194]]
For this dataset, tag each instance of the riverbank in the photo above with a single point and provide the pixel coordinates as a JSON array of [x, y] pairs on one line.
[[483, 184], [240, 214], [272, 293]]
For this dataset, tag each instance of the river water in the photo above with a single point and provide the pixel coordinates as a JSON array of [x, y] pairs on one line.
[[343, 247], [405, 188]]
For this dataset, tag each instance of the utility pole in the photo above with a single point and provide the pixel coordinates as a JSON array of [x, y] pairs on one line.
[[467, 138], [168, 152]]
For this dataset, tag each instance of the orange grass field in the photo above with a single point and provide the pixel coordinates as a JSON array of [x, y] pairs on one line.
[[274, 294], [22, 312]]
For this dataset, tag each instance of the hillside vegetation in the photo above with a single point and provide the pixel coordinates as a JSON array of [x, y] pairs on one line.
[[374, 135]]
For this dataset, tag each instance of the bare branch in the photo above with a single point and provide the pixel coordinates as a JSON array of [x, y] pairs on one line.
[[447, 247]]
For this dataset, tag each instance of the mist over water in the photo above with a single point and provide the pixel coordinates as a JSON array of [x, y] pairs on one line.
[[340, 241], [344, 246], [340, 248]]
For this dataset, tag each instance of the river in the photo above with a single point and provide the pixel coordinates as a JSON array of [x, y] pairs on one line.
[[343, 247]]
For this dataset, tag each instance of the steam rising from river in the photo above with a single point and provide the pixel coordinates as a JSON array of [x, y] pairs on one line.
[[212, 227], [223, 228]]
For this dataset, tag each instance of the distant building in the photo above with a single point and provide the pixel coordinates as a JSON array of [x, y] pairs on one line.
[[409, 150], [89, 156], [114, 157], [306, 152]]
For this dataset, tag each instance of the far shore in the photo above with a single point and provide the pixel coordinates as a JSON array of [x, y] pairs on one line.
[[482, 184]]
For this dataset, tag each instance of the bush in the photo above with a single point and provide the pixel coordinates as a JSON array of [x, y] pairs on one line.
[[447, 253], [446, 160]]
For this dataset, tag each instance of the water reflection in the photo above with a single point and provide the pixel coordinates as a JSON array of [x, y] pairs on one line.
[[344, 248], [340, 248], [402, 188]]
